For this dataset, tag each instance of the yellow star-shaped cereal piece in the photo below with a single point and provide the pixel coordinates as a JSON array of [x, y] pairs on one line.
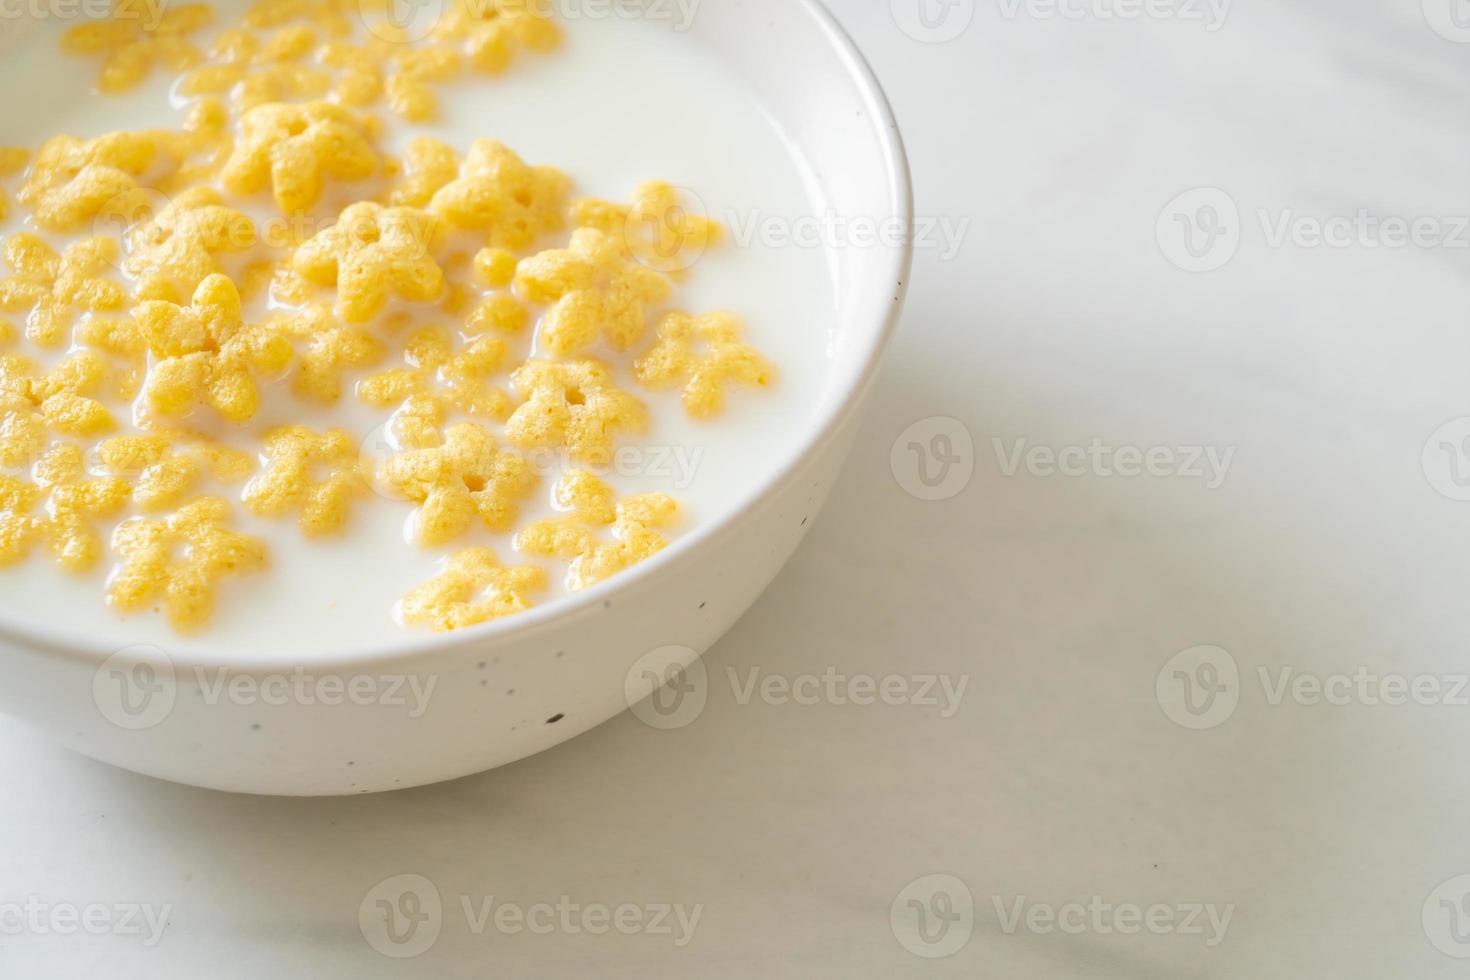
[[280, 83], [206, 353], [137, 37], [466, 476], [22, 430], [408, 89], [295, 149], [315, 474], [12, 161], [55, 288], [19, 528], [174, 251], [329, 350], [73, 179], [437, 381], [181, 560], [167, 467], [428, 164], [596, 290], [495, 268], [634, 525], [372, 253], [74, 501], [256, 71], [705, 355], [127, 353], [493, 30], [359, 69], [63, 399], [199, 148], [331, 16], [498, 194], [498, 313], [575, 405], [656, 228], [475, 588]]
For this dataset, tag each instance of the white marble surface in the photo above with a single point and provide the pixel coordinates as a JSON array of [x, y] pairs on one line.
[[1327, 550]]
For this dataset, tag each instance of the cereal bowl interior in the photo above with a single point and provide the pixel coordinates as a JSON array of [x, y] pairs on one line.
[[385, 401]]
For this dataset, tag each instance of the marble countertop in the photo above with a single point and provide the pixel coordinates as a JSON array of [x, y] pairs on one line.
[[1132, 643]]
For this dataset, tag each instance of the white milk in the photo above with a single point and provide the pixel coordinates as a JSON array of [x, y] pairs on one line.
[[620, 103]]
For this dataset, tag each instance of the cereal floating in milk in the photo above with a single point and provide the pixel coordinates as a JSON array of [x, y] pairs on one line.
[[573, 405], [181, 560], [293, 150], [372, 254], [138, 37], [466, 477], [75, 501], [704, 355], [72, 179], [168, 467], [600, 536], [275, 318], [290, 482], [173, 252], [597, 290], [207, 354], [474, 589], [54, 288]]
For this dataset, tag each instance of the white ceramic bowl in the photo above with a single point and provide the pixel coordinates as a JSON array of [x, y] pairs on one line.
[[574, 663]]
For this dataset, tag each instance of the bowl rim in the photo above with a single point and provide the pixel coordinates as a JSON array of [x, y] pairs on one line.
[[845, 398]]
